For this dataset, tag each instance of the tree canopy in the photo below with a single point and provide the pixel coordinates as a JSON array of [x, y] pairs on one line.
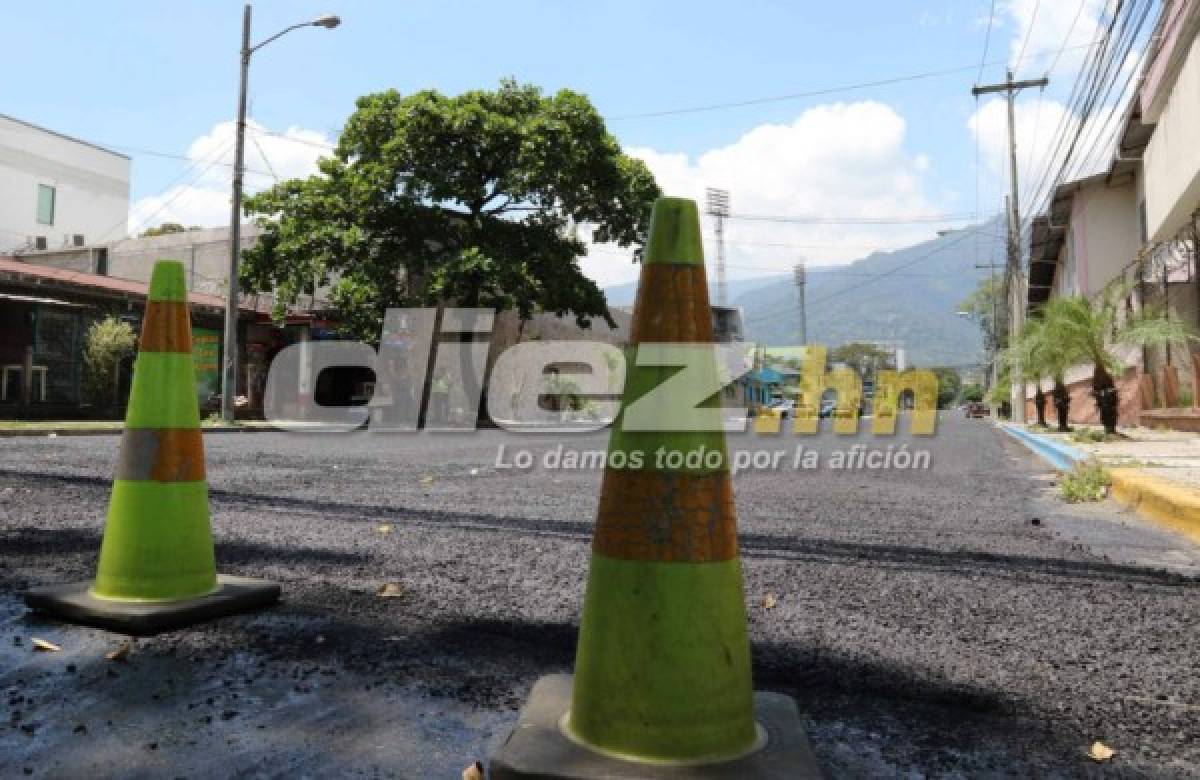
[[854, 353], [166, 229], [472, 200], [979, 306]]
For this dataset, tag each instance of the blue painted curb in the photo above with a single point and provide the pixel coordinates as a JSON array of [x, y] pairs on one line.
[[1059, 455]]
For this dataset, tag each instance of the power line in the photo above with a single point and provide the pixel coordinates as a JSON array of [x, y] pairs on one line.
[[1028, 35], [1067, 37], [987, 39], [814, 220], [1074, 105], [936, 250], [876, 277], [823, 91], [1094, 89]]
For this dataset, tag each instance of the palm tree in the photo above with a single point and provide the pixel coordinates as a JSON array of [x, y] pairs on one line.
[[1029, 353], [1040, 356], [1088, 329]]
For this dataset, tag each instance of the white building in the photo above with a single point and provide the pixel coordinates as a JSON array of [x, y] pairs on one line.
[[1169, 100], [57, 191], [1138, 220]]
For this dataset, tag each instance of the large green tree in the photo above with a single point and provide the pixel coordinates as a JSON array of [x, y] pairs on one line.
[[472, 200]]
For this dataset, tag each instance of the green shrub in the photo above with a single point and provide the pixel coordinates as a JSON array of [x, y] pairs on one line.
[[107, 344], [1087, 481], [1088, 435]]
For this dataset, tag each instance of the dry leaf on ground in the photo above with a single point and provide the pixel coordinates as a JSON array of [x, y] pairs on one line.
[[473, 772], [1101, 752], [426, 480], [42, 646], [385, 528], [121, 653], [770, 601], [390, 591]]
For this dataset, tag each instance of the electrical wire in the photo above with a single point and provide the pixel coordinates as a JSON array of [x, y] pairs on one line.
[[1028, 34], [987, 39]]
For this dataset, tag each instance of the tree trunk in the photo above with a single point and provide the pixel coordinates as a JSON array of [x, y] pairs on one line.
[[1062, 405], [1039, 402], [1105, 393]]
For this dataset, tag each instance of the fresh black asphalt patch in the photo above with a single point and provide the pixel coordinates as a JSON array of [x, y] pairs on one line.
[[923, 623]]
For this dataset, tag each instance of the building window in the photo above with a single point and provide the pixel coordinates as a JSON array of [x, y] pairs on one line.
[[45, 205]]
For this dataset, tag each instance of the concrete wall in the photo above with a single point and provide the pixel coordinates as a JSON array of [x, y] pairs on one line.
[[1104, 225], [91, 187], [1172, 158], [204, 253], [1083, 410]]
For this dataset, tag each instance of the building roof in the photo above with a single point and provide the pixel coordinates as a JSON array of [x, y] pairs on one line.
[[1049, 230], [63, 136], [76, 281]]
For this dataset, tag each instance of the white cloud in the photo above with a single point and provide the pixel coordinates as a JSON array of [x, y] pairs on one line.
[[1041, 122], [1036, 121], [1049, 26], [835, 160], [203, 197]]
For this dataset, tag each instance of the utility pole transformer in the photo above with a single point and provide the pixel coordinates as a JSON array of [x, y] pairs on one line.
[[802, 332], [717, 205], [1014, 277]]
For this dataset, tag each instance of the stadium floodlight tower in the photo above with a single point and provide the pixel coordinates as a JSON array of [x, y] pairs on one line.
[[717, 205]]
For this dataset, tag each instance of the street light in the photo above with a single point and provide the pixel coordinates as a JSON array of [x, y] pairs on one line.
[[229, 374]]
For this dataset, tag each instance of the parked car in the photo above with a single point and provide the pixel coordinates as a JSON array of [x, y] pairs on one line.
[[784, 407], [977, 409]]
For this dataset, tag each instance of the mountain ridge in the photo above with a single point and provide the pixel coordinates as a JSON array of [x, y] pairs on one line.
[[908, 295]]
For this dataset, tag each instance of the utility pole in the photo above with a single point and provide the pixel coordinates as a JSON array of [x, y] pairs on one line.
[[717, 205], [994, 331], [1014, 278], [802, 332], [229, 368]]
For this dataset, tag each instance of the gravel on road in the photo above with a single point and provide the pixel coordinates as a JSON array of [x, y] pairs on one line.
[[955, 621]]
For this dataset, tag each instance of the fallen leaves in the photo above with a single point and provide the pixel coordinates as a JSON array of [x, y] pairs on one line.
[[385, 528], [770, 602], [390, 590], [1101, 752], [42, 646], [426, 480], [473, 772], [121, 654]]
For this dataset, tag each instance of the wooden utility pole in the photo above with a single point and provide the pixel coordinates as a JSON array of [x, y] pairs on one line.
[[1014, 278]]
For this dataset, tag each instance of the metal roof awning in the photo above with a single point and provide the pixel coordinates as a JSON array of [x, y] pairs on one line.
[[42, 301], [24, 275]]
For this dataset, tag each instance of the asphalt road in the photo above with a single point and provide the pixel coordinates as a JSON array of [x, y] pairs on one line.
[[925, 623]]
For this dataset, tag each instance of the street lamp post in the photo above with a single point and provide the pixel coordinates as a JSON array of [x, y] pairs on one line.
[[229, 374]]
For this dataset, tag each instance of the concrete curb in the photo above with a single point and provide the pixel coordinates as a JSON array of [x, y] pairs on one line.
[[1159, 500], [1061, 456], [1155, 499]]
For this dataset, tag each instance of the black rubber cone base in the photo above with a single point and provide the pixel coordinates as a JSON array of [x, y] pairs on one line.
[[538, 749], [74, 603]]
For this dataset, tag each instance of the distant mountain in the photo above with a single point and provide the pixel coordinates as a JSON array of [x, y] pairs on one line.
[[909, 295]]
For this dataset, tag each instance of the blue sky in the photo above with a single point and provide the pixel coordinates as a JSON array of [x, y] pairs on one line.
[[161, 76]]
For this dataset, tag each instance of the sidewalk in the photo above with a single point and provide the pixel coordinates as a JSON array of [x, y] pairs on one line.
[[9, 428], [1170, 455], [1155, 473]]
